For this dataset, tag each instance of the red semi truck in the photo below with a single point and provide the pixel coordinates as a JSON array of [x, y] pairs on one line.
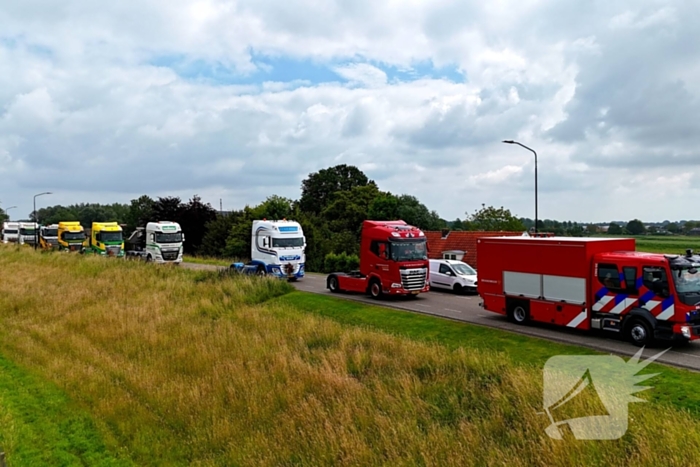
[[591, 283], [393, 261]]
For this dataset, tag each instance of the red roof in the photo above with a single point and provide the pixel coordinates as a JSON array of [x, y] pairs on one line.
[[459, 240]]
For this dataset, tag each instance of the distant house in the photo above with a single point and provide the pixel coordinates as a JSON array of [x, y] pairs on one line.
[[458, 245], [695, 231]]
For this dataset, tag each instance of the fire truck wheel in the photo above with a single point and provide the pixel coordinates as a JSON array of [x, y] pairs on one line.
[[375, 289], [639, 332], [333, 284], [519, 313]]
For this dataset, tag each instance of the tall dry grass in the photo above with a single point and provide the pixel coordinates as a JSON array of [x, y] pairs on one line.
[[192, 368]]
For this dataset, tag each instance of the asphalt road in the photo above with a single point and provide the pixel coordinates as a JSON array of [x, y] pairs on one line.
[[467, 309]]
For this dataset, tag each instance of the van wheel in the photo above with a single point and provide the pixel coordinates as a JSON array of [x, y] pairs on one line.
[[639, 332], [458, 289], [519, 312], [375, 289], [333, 284]]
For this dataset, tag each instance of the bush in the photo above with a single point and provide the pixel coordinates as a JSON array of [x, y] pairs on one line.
[[341, 262]]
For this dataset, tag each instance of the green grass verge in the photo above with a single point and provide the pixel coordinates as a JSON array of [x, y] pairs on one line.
[[673, 386], [39, 425], [207, 260]]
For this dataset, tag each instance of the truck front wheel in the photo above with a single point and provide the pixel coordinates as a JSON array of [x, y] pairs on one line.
[[333, 284], [375, 289], [639, 332]]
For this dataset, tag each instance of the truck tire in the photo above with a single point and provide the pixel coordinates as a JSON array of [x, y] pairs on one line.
[[149, 259], [375, 289], [261, 271], [333, 284], [519, 312], [639, 332]]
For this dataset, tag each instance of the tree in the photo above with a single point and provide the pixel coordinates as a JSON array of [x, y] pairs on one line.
[[673, 227], [592, 229], [217, 234], [348, 209], [494, 219], [168, 208], [614, 229], [193, 219], [274, 208], [385, 207], [414, 212], [140, 212], [318, 188], [635, 227], [3, 215]]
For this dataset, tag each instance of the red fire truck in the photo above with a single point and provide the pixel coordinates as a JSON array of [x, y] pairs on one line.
[[591, 283], [393, 261]]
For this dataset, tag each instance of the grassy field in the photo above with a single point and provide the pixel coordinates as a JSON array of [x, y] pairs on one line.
[[164, 366], [208, 260], [668, 244]]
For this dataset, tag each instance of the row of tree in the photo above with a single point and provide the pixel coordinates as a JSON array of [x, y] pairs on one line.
[[331, 208]]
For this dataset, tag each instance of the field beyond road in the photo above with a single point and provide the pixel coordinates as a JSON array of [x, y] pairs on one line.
[[120, 362]]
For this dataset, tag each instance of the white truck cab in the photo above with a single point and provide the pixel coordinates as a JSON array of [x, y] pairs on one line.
[[159, 242], [277, 248], [28, 233], [10, 232], [453, 275]]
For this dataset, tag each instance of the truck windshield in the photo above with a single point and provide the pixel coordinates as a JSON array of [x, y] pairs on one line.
[[408, 251], [9, 231], [168, 237], [687, 281], [105, 237], [71, 236], [50, 232], [27, 231], [294, 242], [463, 268]]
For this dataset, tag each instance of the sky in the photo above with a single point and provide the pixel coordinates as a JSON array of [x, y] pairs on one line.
[[240, 100]]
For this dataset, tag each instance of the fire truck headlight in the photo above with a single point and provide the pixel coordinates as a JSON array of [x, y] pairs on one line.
[[685, 330]]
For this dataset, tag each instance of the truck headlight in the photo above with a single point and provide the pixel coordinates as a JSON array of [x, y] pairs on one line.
[[685, 330]]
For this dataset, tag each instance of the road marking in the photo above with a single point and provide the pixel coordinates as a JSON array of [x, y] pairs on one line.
[[426, 306], [450, 309]]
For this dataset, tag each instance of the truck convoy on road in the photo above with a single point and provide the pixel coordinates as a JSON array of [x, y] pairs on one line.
[[28, 233], [160, 242], [48, 237], [277, 248], [106, 238], [393, 261], [10, 232], [592, 283]]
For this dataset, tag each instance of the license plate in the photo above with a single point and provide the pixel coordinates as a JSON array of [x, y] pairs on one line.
[[415, 293]]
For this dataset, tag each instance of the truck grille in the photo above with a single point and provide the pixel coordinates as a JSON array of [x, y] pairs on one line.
[[170, 255], [75, 246], [113, 250], [413, 279]]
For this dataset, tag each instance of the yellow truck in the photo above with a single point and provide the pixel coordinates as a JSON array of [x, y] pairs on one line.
[[106, 238], [71, 236]]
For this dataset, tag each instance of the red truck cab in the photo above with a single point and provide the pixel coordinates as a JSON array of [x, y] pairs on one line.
[[592, 283], [393, 261]]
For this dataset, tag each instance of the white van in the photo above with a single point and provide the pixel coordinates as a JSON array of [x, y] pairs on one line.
[[453, 275]]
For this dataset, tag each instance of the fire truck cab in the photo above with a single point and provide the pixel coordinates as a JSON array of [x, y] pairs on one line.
[[393, 261], [592, 283]]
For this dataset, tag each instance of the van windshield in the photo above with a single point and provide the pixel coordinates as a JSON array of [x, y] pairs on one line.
[[464, 269], [687, 281]]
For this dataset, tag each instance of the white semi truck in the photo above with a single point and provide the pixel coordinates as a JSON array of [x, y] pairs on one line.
[[160, 242], [10, 232], [28, 233], [277, 248]]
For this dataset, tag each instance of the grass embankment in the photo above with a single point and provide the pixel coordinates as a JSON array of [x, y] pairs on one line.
[[179, 367], [208, 260], [668, 244]]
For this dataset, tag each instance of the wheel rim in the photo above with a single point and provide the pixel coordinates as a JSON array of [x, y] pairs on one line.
[[375, 289], [519, 314], [638, 333]]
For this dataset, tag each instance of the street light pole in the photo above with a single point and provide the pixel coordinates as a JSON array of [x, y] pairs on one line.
[[8, 216], [36, 219], [533, 151]]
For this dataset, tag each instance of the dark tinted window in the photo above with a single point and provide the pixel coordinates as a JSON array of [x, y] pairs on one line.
[[609, 277], [630, 274], [444, 269]]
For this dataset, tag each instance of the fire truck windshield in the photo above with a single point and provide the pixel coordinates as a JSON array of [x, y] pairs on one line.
[[687, 281], [408, 251]]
